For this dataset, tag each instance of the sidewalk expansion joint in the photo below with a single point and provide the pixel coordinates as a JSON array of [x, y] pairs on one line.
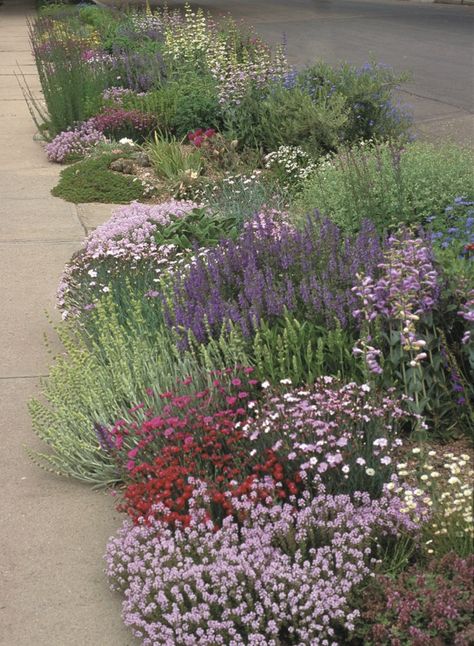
[[11, 377], [46, 241]]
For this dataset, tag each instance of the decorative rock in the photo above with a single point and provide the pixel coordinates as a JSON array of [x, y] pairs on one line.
[[142, 159], [122, 166]]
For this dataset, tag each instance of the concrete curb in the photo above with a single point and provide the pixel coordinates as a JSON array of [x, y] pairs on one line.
[[469, 3]]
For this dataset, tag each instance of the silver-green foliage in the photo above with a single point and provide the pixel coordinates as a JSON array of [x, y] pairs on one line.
[[390, 184], [96, 380]]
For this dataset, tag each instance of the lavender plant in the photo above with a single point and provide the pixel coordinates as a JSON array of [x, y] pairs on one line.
[[272, 269]]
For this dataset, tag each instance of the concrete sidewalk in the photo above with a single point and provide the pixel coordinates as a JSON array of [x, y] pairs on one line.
[[53, 591]]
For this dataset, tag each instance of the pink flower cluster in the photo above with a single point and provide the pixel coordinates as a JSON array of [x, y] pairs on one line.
[[128, 236], [331, 432], [283, 573], [74, 143], [78, 141], [129, 232]]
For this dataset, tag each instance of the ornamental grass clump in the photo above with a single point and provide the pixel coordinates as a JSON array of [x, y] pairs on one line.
[[283, 575], [269, 270], [71, 87]]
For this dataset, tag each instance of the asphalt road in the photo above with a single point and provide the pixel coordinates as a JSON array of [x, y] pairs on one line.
[[435, 42]]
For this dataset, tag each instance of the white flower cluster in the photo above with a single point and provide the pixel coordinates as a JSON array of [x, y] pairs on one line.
[[447, 490], [292, 162], [194, 38]]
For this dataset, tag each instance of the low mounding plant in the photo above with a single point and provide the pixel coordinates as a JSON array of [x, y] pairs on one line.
[[390, 184], [114, 123], [229, 434], [423, 606], [269, 118], [90, 180], [138, 241], [269, 270], [188, 101], [344, 435], [74, 144], [117, 123], [279, 576]]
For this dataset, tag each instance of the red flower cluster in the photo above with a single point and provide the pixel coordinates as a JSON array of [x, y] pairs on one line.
[[221, 458], [191, 441], [200, 136], [118, 122]]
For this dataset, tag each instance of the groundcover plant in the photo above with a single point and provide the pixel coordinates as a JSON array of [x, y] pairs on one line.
[[270, 356]]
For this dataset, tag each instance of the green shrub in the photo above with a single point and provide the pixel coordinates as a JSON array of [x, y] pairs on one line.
[[287, 117], [320, 109], [90, 180], [196, 103], [181, 105], [389, 184], [368, 94], [160, 102]]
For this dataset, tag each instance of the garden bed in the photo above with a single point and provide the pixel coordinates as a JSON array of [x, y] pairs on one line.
[[269, 350]]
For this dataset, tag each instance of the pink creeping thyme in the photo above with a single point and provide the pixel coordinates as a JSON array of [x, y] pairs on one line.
[[284, 572]]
